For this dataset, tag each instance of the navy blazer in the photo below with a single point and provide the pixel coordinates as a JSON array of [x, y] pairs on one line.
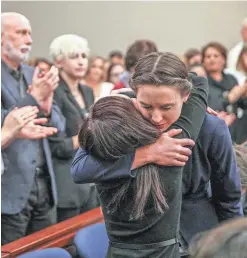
[[18, 178], [212, 165]]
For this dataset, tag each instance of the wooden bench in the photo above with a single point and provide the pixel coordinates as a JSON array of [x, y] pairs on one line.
[[58, 235]]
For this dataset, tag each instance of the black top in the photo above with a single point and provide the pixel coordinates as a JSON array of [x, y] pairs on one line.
[[238, 129], [218, 101], [217, 89], [62, 145], [154, 227]]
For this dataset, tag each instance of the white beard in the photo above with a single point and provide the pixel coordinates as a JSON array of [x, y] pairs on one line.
[[16, 54]]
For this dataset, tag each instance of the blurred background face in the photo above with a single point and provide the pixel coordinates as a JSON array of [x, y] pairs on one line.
[[195, 60], [96, 72], [213, 60], [75, 64], [16, 39], [115, 74], [44, 67], [117, 60]]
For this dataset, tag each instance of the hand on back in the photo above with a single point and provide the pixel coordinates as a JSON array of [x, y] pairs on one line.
[[169, 151]]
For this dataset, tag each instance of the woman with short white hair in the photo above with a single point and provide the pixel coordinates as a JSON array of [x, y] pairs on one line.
[[70, 55]]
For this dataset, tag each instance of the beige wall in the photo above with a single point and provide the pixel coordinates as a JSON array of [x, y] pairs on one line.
[[175, 26]]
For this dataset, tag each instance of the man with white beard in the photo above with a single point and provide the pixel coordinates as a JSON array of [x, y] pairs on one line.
[[29, 192]]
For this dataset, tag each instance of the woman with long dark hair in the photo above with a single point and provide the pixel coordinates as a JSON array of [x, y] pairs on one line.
[[142, 212], [115, 128]]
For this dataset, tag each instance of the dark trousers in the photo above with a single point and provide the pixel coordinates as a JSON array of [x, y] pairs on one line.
[[38, 213], [91, 203]]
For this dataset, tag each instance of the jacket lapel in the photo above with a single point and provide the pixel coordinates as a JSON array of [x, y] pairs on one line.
[[11, 85], [70, 97], [28, 74], [84, 94]]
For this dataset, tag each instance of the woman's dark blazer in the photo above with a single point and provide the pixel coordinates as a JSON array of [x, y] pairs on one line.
[[70, 195]]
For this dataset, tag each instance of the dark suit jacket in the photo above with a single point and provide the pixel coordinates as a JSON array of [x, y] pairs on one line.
[[17, 180], [212, 165], [70, 195]]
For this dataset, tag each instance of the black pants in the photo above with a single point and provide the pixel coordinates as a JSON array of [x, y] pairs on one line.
[[38, 213]]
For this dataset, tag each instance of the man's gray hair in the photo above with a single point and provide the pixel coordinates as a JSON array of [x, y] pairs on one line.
[[6, 16]]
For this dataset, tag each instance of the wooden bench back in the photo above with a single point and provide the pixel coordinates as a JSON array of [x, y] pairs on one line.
[[58, 235]]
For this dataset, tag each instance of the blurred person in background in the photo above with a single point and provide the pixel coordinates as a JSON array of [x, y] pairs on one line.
[[43, 64], [240, 72], [70, 55], [106, 67], [116, 57], [200, 71], [135, 51], [238, 130], [224, 92], [192, 56], [242, 61], [95, 78], [234, 53], [114, 73], [241, 157]]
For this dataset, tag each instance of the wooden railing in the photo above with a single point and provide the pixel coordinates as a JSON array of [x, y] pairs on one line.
[[58, 235]]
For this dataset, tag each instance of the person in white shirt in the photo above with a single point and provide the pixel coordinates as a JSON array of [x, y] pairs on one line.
[[235, 51], [240, 72], [95, 78]]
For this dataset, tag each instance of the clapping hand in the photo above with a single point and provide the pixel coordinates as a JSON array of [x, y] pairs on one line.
[[35, 130], [43, 86], [19, 117]]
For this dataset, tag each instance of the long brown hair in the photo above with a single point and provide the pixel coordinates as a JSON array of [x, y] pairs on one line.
[[240, 66], [91, 61], [114, 128]]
